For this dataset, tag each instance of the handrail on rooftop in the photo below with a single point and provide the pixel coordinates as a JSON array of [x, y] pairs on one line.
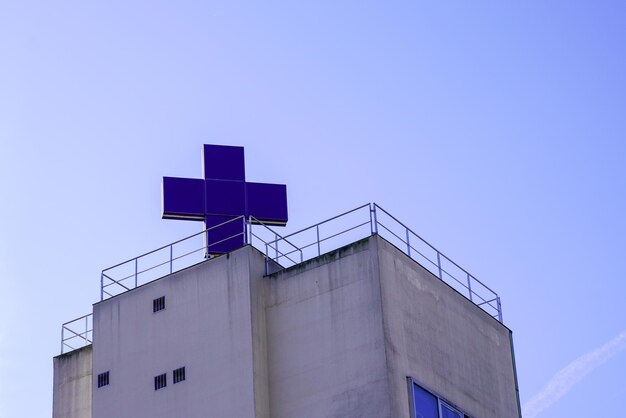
[[308, 242]]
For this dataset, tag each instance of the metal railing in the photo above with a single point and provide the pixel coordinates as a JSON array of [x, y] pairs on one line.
[[285, 251], [76, 333], [370, 219], [164, 260], [436, 262]]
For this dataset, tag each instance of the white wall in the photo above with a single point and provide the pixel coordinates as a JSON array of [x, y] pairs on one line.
[[72, 384]]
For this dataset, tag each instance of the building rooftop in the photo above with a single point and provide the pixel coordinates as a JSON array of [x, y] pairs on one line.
[[284, 251]]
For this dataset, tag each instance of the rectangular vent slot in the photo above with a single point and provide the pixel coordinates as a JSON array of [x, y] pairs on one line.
[[158, 304], [160, 381], [103, 379], [179, 375]]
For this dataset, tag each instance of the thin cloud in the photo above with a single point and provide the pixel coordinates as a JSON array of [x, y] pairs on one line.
[[571, 374]]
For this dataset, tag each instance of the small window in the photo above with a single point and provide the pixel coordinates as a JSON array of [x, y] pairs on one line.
[[160, 381], [103, 379], [179, 375], [427, 404], [158, 304]]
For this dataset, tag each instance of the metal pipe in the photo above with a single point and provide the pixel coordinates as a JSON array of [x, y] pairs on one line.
[[469, 286], [317, 228], [245, 232], [135, 272], [408, 244], [427, 243], [267, 261], [249, 231], [371, 220], [175, 242], [375, 220], [439, 265], [171, 257]]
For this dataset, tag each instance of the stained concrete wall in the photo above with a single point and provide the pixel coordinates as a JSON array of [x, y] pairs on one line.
[[207, 327], [71, 397], [437, 336], [336, 336], [325, 337], [345, 331]]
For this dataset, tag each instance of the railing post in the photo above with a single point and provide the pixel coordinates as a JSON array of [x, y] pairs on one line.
[[245, 231], [86, 327], [101, 286], [135, 272], [469, 286], [408, 244], [62, 338], [206, 243], [171, 257], [276, 245], [267, 260], [317, 228], [499, 309], [375, 220], [249, 230], [439, 265]]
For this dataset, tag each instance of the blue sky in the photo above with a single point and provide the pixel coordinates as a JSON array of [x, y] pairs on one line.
[[494, 129]]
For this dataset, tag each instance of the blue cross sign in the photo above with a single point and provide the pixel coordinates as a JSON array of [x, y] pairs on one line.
[[221, 195]]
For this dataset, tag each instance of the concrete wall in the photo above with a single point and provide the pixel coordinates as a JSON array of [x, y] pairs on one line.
[[325, 337], [437, 336], [335, 336], [206, 327], [72, 384]]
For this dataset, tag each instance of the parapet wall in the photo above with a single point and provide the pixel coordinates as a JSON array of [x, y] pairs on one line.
[[436, 336], [72, 384]]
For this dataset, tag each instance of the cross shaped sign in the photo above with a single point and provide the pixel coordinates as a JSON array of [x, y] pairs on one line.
[[222, 195]]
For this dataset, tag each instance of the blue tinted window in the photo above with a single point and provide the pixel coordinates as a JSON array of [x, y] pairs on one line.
[[425, 403], [447, 412]]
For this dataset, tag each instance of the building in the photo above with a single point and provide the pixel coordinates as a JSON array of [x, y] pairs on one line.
[[356, 316], [353, 317]]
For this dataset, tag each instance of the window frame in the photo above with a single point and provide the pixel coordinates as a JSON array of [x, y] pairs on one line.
[[441, 401]]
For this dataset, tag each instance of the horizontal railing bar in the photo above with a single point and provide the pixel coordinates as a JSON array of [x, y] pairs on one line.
[[443, 270], [324, 239], [77, 319], [470, 283], [258, 237], [188, 253], [118, 282], [75, 335], [175, 242], [488, 302], [225, 239], [80, 334], [327, 220], [416, 250], [427, 243], [274, 232], [343, 232], [281, 254], [297, 249]]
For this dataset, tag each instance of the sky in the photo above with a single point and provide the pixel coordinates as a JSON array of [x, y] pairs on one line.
[[495, 130]]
